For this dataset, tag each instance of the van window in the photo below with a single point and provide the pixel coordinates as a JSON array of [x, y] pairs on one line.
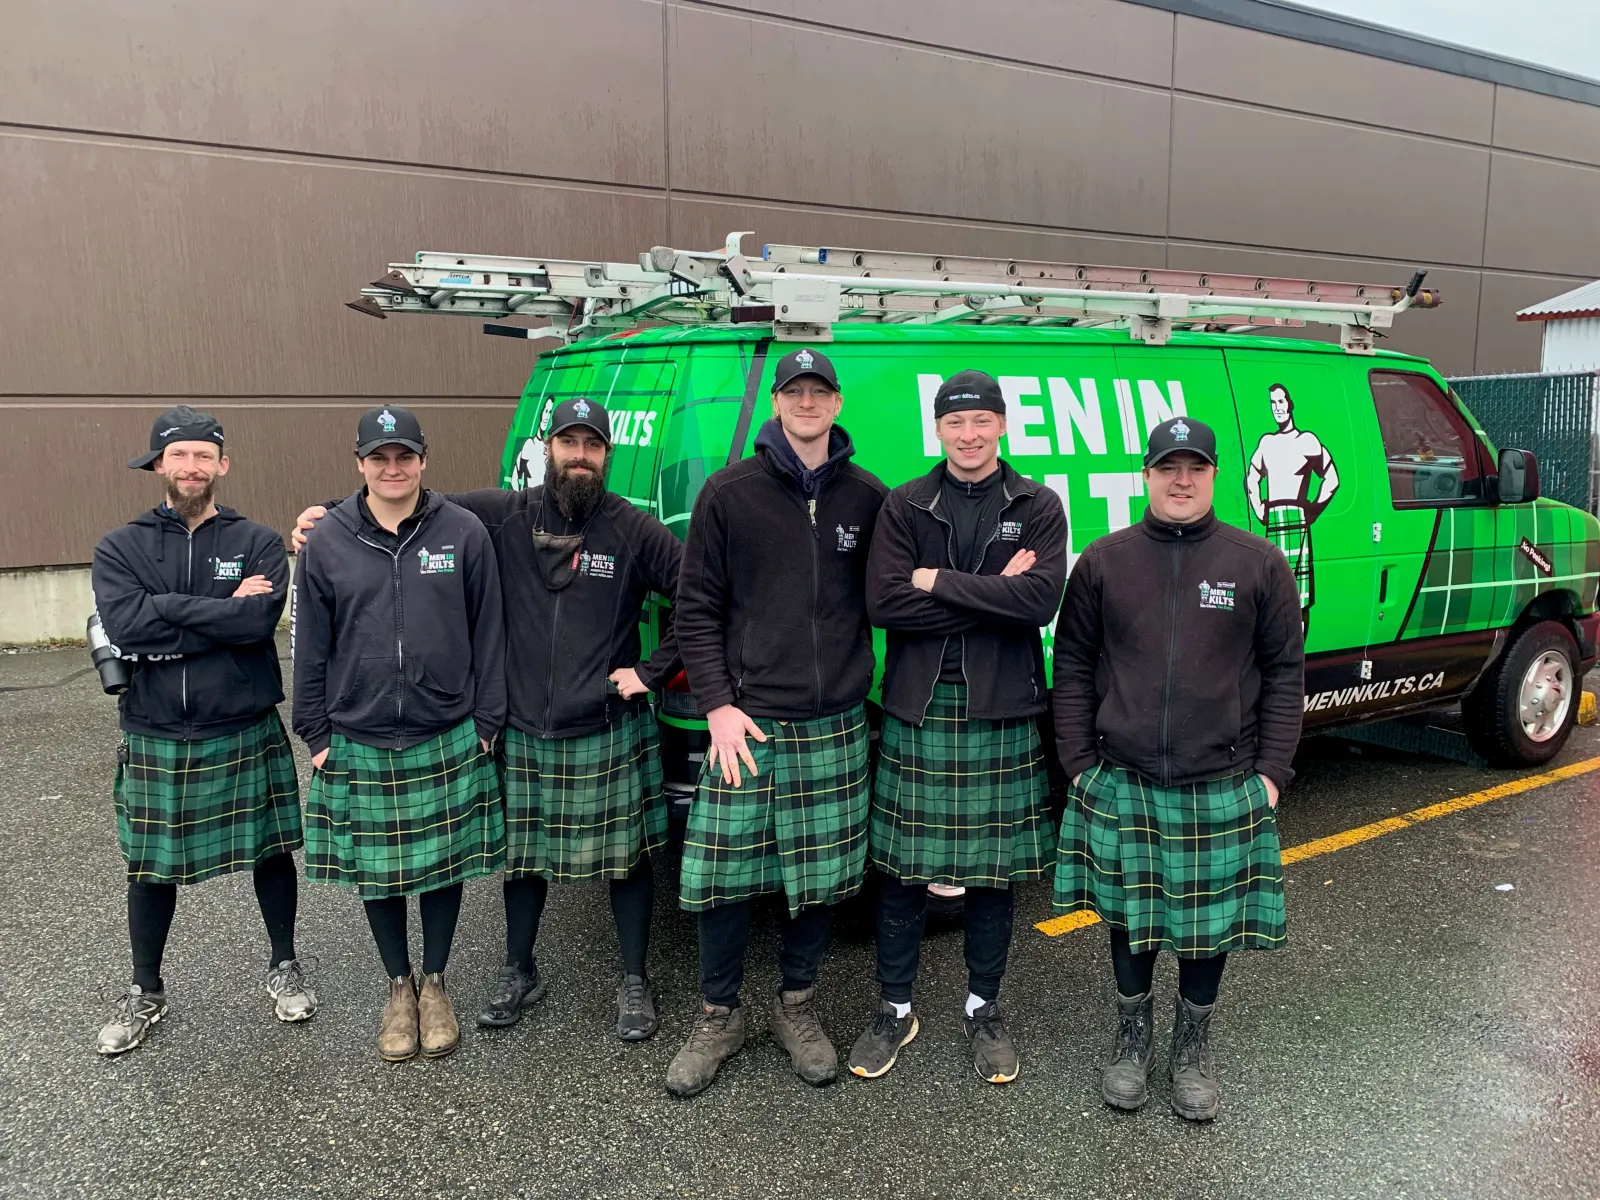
[[1430, 450]]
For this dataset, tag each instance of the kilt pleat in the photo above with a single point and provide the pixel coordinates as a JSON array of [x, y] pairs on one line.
[[1195, 869], [958, 800], [190, 810], [399, 822], [584, 807], [798, 826]]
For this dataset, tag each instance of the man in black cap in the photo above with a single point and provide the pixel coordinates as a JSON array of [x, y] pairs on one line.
[[190, 594], [967, 564], [399, 691], [1179, 677], [772, 622], [582, 767]]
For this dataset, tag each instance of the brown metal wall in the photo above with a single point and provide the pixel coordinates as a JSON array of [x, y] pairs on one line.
[[189, 191]]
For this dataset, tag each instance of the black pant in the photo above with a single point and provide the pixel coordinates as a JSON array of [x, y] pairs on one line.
[[725, 933], [1198, 978], [632, 900], [902, 910], [439, 909]]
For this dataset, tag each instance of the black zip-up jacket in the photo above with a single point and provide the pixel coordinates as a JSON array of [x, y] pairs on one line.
[[1179, 654], [397, 636], [997, 618], [203, 663], [772, 611]]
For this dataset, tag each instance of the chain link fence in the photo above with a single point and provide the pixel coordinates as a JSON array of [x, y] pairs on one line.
[[1551, 415]]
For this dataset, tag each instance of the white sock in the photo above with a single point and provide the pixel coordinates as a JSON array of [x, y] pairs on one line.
[[901, 1011], [974, 1002]]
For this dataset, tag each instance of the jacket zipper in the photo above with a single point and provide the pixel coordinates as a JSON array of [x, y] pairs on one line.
[[1172, 649], [550, 664], [399, 630], [188, 587], [816, 598]]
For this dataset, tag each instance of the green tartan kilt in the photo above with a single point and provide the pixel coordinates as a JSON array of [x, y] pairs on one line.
[[189, 810], [399, 822], [798, 826], [584, 807], [1193, 869], [1289, 531], [959, 800]]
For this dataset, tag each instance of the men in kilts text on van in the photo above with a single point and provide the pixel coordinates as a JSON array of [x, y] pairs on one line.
[[399, 691], [967, 564], [190, 593], [772, 624], [1179, 665]]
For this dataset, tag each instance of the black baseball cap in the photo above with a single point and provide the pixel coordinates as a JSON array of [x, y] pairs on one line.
[[1180, 433], [966, 390], [180, 424], [390, 425], [804, 362], [581, 412]]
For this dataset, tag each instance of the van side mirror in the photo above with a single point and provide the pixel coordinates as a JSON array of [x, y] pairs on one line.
[[1519, 476]]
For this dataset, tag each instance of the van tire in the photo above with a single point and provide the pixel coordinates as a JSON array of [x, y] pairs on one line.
[[1493, 713]]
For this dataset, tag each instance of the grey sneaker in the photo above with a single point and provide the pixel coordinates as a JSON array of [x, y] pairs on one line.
[[879, 1045], [292, 1000], [1195, 1094], [135, 1012], [795, 1025], [636, 1009], [994, 1054], [716, 1036], [514, 990], [1124, 1081]]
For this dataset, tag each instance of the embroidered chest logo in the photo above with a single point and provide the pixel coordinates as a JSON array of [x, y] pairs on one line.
[[849, 537], [1217, 595], [442, 563], [1010, 531], [597, 566], [228, 570]]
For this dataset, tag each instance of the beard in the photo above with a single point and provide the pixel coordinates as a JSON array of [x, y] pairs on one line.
[[190, 505], [577, 493]]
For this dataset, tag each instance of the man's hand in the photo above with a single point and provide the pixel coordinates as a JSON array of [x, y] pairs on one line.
[[728, 727], [306, 520], [320, 757], [628, 682], [256, 585], [1021, 561], [923, 578], [1272, 792]]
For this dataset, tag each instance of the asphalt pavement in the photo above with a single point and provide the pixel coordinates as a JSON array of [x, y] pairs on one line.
[[1424, 1034]]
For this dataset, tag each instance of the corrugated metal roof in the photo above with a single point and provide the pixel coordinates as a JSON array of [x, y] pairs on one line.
[[1579, 302]]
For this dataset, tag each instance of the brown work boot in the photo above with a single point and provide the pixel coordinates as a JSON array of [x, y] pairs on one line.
[[1195, 1094], [436, 1020], [716, 1036], [795, 1025], [397, 1036]]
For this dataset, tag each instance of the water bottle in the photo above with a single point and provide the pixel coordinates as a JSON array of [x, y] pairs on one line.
[[114, 673]]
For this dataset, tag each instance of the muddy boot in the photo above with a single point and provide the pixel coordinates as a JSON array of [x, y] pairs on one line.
[[1124, 1081], [1195, 1096], [716, 1036], [794, 1024], [436, 1020], [397, 1035]]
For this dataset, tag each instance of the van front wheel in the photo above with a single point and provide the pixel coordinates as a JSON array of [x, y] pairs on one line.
[[1525, 705]]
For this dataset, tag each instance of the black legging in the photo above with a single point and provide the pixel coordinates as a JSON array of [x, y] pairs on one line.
[[439, 908], [1198, 978], [152, 905], [633, 899], [902, 913]]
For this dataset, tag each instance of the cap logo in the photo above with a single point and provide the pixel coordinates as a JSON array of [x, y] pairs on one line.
[[386, 420], [805, 359], [581, 408], [1180, 432], [170, 432], [966, 396]]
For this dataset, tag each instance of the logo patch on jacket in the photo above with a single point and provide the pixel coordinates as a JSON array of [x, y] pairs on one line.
[[1216, 595], [597, 566], [849, 537], [442, 563], [1010, 531], [229, 570]]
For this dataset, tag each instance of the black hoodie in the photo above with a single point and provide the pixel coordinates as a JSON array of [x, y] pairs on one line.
[[397, 636], [772, 607], [203, 663]]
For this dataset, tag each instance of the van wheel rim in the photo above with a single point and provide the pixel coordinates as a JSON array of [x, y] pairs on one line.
[[1546, 696]]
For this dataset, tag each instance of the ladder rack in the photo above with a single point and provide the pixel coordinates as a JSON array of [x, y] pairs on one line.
[[803, 291]]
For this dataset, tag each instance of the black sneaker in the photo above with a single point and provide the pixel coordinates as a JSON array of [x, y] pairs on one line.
[[636, 1009], [879, 1044], [994, 1054], [514, 990]]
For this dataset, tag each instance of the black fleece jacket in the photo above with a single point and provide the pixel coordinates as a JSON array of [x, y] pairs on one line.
[[772, 611], [1179, 654], [397, 636], [996, 618], [203, 663]]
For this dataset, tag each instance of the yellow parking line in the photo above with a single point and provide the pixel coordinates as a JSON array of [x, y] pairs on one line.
[[1057, 926]]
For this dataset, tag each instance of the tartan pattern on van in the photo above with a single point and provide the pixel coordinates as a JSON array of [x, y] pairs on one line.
[[399, 822], [960, 801], [584, 807], [1288, 530], [798, 826], [1194, 869], [191, 810]]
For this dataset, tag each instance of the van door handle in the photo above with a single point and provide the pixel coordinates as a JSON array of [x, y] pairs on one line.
[[1383, 587]]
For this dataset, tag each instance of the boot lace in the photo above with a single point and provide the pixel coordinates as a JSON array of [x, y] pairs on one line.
[[633, 996], [1191, 1047], [803, 1020], [886, 1025], [286, 979], [510, 984], [1133, 1034]]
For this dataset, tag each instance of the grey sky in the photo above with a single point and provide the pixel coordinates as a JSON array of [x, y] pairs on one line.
[[1563, 35]]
